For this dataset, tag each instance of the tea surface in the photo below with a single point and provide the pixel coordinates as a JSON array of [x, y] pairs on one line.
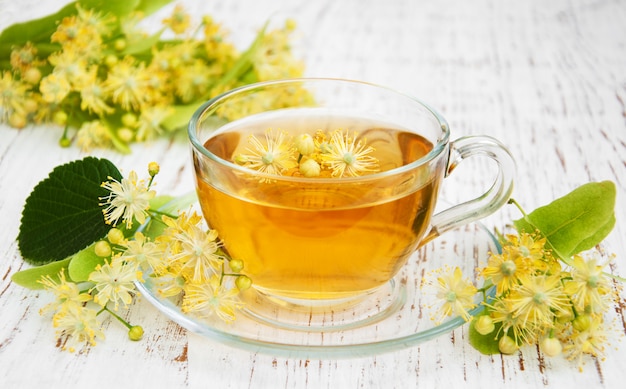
[[325, 239]]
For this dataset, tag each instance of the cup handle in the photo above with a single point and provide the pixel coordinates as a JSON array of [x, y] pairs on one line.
[[490, 201]]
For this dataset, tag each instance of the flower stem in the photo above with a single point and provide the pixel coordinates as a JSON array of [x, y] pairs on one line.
[[105, 308], [514, 202]]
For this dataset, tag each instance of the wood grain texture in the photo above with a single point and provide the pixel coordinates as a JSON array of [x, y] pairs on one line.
[[547, 78]]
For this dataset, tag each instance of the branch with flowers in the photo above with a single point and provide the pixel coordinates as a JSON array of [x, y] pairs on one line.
[[90, 69], [548, 286], [93, 234]]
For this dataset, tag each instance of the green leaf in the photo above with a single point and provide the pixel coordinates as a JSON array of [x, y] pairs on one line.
[[575, 222], [83, 263], [180, 116], [150, 6], [62, 215], [485, 344], [29, 278], [37, 30], [115, 7], [143, 45]]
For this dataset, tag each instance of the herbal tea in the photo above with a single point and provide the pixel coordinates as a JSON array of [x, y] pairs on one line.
[[318, 234]]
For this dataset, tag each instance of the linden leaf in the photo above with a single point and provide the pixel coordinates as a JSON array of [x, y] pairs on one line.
[[62, 215], [575, 222], [148, 7], [116, 7], [83, 263], [29, 278], [485, 344], [35, 31]]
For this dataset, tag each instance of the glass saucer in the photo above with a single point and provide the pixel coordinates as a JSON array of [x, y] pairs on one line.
[[401, 316]]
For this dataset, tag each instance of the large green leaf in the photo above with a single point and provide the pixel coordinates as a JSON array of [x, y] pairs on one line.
[[63, 215], [151, 6], [29, 278], [575, 222], [115, 7], [83, 263], [36, 30]]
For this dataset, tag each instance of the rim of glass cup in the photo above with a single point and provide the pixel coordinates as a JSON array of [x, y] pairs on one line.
[[199, 145]]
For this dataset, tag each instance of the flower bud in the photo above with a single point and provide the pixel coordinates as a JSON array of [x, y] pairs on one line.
[[243, 282], [507, 345], [65, 142], [60, 118], [17, 120], [115, 236], [484, 325], [102, 249], [582, 323], [129, 119], [310, 168], [31, 105], [236, 265], [551, 346], [135, 333], [125, 134], [304, 144], [153, 169], [110, 60], [119, 44], [32, 75]]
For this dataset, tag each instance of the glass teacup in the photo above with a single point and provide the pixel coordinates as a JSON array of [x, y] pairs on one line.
[[340, 227]]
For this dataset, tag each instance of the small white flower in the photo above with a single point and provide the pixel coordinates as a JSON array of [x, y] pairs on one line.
[[128, 198]]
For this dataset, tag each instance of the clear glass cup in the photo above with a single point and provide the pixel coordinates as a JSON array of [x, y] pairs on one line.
[[330, 240]]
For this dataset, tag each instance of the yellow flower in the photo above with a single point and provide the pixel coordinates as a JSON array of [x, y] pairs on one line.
[[216, 46], [12, 95], [127, 199], [588, 286], [590, 341], [115, 282], [70, 65], [193, 81], [168, 283], [76, 34], [536, 299], [24, 58], [502, 312], [504, 271], [127, 84], [273, 59], [179, 20], [54, 88], [182, 223], [195, 254], [349, 157], [92, 94], [150, 119], [101, 23], [274, 157], [79, 324], [93, 134], [66, 293], [210, 298], [141, 252], [456, 293]]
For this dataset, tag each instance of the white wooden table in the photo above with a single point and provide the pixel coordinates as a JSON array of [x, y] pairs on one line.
[[547, 78]]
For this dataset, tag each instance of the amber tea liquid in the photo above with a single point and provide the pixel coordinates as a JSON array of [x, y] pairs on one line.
[[319, 238]]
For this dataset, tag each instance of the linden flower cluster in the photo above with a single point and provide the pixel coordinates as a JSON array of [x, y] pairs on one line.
[[335, 154], [185, 259], [115, 84], [538, 299]]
